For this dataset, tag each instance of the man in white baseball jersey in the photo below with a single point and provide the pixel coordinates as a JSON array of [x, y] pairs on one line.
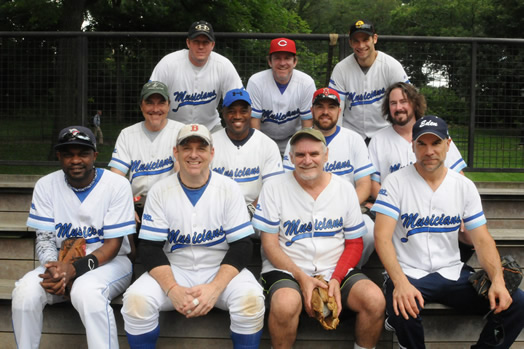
[[362, 78], [197, 78], [144, 151], [195, 246], [419, 212], [312, 225], [348, 155], [80, 201], [243, 153], [281, 95]]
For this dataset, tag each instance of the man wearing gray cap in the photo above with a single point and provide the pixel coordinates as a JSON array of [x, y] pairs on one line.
[[197, 78], [79, 201], [312, 226], [195, 245], [144, 151]]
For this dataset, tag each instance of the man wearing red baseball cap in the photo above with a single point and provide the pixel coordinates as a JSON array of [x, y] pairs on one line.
[[281, 95], [348, 156]]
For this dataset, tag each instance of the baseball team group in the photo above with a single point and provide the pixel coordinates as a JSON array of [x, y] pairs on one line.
[[321, 177]]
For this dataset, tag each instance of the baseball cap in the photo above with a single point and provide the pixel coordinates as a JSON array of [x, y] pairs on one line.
[[237, 94], [362, 26], [326, 93], [430, 124], [201, 28], [153, 87], [76, 135], [194, 130], [308, 132], [282, 45]]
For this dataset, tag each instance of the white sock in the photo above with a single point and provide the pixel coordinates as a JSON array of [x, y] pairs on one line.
[[356, 346]]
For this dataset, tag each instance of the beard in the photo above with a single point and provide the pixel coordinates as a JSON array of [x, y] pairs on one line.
[[395, 121], [325, 127]]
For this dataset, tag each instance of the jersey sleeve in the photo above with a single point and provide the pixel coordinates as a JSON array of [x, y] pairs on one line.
[[273, 162], [41, 215], [337, 82], [473, 214], [155, 226], [160, 73], [454, 159], [363, 165], [121, 158], [387, 201], [238, 224], [396, 72], [288, 165], [119, 220], [256, 100], [354, 226], [373, 156], [306, 100], [230, 78], [267, 217]]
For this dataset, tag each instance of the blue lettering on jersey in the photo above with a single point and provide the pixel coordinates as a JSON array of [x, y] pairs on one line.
[[91, 234], [279, 118], [33, 206], [240, 174], [137, 166], [147, 217], [183, 98], [299, 230], [205, 238], [366, 97], [338, 166], [433, 224], [383, 192], [397, 167]]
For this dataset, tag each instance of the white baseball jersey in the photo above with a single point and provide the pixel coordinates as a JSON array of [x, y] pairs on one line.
[[250, 164], [363, 93], [347, 157], [428, 222], [147, 156], [105, 211], [196, 91], [196, 236], [281, 114], [311, 232], [390, 152]]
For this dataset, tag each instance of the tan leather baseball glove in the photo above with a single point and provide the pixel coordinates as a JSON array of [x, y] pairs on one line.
[[325, 307]]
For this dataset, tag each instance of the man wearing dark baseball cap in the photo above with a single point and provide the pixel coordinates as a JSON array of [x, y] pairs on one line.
[[362, 78], [281, 95], [197, 78], [430, 124], [347, 157]]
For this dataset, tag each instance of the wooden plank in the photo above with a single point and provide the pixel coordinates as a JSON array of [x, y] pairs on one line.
[[13, 221], [17, 248], [16, 202]]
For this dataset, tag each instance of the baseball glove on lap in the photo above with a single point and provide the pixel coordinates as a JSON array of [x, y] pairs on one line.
[[71, 250], [512, 277], [325, 307]]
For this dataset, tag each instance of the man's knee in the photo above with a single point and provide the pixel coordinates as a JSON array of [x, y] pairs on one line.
[[366, 296], [137, 306], [286, 303]]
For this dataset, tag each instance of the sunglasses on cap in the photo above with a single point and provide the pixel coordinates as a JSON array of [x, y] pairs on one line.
[[73, 135]]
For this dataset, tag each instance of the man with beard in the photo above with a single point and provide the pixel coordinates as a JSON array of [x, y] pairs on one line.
[[312, 225], [391, 148], [281, 95], [348, 155], [80, 201], [242, 153]]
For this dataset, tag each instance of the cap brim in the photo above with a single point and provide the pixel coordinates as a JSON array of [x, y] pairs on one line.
[[149, 94], [63, 145], [194, 35]]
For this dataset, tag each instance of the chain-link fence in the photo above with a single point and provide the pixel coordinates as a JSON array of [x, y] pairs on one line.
[[50, 80]]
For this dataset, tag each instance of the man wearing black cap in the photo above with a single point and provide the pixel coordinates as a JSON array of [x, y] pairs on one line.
[[197, 78], [419, 212], [80, 201], [362, 78]]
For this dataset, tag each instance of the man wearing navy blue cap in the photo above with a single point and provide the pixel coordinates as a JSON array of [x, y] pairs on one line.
[[245, 154], [419, 212]]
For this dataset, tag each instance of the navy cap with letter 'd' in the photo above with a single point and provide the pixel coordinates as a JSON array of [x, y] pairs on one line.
[[430, 124]]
